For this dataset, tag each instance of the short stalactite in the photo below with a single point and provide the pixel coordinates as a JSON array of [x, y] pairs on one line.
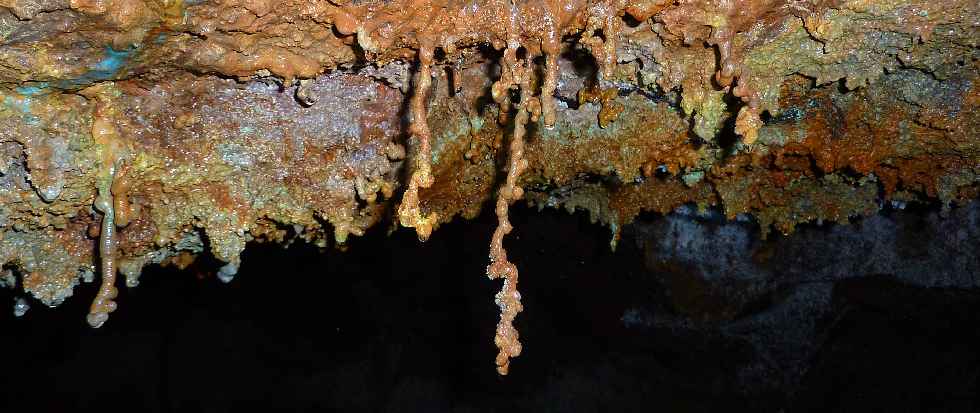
[[103, 303], [409, 213]]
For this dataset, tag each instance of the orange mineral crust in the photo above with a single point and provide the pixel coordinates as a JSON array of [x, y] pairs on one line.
[[137, 133]]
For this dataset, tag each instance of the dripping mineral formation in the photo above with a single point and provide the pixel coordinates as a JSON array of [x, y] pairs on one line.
[[138, 132]]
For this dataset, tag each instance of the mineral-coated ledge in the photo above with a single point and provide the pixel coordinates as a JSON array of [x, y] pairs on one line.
[[148, 132]]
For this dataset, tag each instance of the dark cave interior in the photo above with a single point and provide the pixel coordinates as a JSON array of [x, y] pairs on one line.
[[392, 324]]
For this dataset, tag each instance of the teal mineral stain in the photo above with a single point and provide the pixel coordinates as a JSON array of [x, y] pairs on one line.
[[33, 90], [23, 103], [692, 178], [112, 62], [476, 123], [20, 105], [23, 106]]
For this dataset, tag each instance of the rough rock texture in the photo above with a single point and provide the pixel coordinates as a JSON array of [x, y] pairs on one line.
[[771, 304], [199, 126]]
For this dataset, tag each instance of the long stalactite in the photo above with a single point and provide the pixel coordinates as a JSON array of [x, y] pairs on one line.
[[514, 74]]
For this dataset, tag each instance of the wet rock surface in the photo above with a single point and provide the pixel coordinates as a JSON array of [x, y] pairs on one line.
[[135, 133]]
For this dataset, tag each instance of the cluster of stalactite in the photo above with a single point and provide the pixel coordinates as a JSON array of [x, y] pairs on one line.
[[514, 73], [514, 35], [261, 40], [533, 28], [515, 76]]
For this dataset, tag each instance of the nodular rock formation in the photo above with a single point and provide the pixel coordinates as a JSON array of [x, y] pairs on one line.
[[139, 132]]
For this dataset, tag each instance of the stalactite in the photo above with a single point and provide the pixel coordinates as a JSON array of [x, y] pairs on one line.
[[515, 73], [551, 47], [509, 298], [103, 303], [121, 184], [111, 198], [748, 121], [604, 17], [240, 162], [409, 213]]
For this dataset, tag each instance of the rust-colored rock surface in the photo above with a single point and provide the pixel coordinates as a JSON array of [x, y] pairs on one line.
[[137, 132]]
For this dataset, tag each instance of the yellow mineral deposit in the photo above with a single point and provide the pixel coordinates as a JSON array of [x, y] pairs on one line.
[[111, 194], [409, 213], [515, 73], [754, 51]]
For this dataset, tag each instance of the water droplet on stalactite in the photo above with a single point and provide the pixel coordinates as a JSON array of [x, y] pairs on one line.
[[96, 320], [227, 272], [21, 306], [87, 275]]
